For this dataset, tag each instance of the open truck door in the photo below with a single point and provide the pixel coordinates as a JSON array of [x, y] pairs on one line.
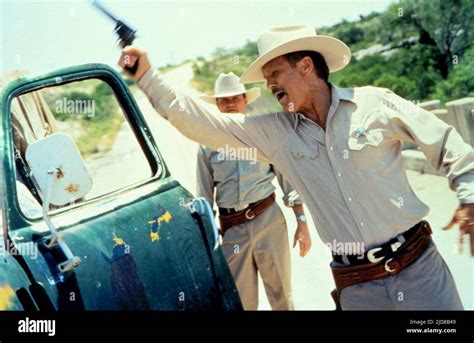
[[111, 228]]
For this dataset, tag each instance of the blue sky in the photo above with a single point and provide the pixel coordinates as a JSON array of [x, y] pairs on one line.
[[39, 36]]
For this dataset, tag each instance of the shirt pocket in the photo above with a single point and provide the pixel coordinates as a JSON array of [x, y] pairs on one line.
[[306, 157], [367, 148]]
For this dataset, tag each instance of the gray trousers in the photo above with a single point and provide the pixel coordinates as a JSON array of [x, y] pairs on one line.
[[427, 284], [261, 246]]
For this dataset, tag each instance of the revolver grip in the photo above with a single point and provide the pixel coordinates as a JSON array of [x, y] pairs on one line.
[[133, 69]]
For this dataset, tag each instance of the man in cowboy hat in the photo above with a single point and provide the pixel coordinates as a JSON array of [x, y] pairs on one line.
[[341, 150], [255, 243]]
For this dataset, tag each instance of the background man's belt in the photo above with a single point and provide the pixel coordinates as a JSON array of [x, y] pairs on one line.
[[239, 217], [417, 240]]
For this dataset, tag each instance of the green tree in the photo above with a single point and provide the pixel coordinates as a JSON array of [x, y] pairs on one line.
[[401, 85], [418, 63], [449, 25], [349, 33], [250, 49], [460, 83]]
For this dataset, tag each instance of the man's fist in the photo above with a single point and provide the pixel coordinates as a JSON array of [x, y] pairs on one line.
[[132, 55]]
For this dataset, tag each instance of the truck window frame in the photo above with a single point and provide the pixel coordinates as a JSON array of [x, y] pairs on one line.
[[16, 218]]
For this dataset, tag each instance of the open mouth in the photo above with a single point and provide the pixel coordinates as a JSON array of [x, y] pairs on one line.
[[280, 94]]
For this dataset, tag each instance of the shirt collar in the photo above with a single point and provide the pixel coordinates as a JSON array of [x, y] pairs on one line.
[[337, 94], [340, 93], [298, 116]]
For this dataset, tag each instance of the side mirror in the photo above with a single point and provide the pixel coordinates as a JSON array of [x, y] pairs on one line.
[[61, 176], [58, 169]]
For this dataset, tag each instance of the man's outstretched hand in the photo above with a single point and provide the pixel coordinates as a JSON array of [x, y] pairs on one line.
[[132, 55]]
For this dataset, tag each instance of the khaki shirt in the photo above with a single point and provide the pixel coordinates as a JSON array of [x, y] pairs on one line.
[[237, 182], [351, 177]]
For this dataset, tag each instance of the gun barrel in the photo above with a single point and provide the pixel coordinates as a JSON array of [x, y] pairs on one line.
[[104, 10], [125, 33]]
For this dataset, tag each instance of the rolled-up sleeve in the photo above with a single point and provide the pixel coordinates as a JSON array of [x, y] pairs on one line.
[[290, 196], [212, 129], [443, 146]]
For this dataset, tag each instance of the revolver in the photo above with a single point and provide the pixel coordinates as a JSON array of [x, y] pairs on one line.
[[126, 35]]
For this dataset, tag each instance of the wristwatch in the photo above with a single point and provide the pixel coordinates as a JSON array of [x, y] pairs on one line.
[[301, 218]]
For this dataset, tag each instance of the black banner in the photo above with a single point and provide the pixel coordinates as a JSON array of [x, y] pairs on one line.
[[442, 326]]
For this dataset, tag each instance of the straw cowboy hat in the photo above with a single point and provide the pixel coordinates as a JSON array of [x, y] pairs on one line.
[[279, 41], [228, 85]]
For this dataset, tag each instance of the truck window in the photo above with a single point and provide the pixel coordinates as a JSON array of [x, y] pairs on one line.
[[90, 114]]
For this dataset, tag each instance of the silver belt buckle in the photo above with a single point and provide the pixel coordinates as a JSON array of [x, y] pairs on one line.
[[372, 258], [387, 267], [247, 214]]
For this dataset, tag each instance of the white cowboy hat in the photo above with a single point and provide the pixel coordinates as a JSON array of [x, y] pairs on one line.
[[228, 85], [279, 41]]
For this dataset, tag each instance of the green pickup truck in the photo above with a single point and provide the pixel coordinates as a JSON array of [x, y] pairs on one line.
[[91, 217]]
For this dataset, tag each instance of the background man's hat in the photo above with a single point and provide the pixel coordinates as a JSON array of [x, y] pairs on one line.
[[279, 41], [228, 85]]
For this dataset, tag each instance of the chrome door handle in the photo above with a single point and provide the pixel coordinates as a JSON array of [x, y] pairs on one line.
[[202, 207]]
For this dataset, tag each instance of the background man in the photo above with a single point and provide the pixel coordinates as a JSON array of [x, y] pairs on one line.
[[260, 244]]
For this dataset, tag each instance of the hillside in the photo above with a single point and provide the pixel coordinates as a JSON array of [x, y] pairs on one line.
[[421, 49]]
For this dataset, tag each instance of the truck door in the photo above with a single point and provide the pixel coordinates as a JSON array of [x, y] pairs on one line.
[[140, 239]]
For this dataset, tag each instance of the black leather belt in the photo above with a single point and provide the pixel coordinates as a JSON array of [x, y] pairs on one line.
[[223, 211], [376, 254]]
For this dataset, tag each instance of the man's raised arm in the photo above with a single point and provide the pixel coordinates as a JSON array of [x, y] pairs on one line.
[[215, 130]]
